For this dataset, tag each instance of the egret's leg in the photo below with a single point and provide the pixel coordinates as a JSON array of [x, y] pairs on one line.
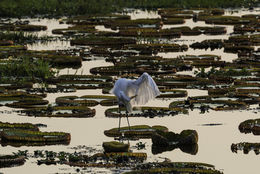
[[119, 111], [127, 119]]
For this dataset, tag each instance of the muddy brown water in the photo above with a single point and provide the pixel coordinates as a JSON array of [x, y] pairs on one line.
[[214, 141]]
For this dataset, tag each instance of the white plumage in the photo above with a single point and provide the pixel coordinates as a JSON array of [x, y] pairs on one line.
[[141, 90]]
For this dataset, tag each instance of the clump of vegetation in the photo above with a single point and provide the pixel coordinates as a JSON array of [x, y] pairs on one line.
[[20, 37], [25, 69], [13, 8], [224, 73]]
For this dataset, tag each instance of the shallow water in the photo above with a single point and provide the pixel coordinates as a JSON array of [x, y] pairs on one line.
[[214, 141]]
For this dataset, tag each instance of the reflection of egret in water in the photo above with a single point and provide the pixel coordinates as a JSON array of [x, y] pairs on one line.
[[130, 92], [191, 148]]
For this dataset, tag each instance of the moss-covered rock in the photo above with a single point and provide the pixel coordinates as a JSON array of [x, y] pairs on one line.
[[114, 146]]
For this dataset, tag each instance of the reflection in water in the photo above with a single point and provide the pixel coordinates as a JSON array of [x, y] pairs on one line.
[[190, 149]]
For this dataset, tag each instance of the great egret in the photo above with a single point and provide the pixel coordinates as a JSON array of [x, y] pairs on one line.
[[130, 92]]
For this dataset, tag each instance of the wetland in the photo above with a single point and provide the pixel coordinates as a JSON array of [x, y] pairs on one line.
[[57, 115]]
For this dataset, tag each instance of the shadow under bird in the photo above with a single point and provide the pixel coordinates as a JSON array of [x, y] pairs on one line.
[[134, 92]]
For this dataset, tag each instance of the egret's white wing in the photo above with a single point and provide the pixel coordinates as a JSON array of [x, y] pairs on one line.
[[146, 89]]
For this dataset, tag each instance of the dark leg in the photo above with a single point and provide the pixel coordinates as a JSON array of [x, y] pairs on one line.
[[119, 118], [127, 119]]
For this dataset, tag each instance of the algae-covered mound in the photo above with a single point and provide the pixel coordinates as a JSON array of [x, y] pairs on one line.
[[12, 135], [140, 131], [175, 167], [114, 146], [11, 160], [248, 126]]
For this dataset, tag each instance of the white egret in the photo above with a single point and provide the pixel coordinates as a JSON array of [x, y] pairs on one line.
[[130, 92]]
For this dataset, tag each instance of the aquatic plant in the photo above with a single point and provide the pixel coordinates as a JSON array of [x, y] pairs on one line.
[[16, 135], [140, 131], [19, 37], [26, 69], [175, 167], [222, 72], [11, 160], [26, 126], [114, 146]]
